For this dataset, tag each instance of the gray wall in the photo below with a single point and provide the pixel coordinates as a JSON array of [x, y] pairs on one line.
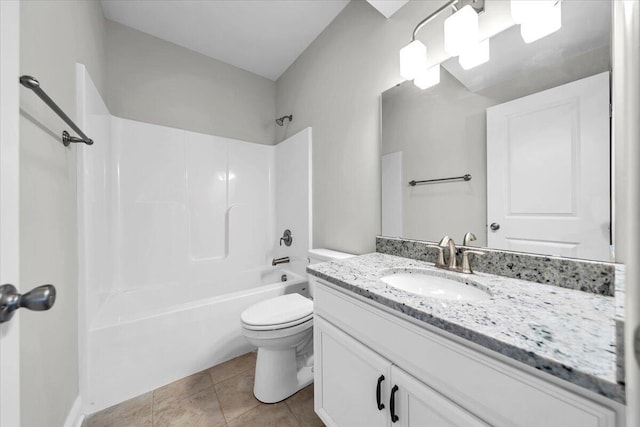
[[441, 132], [54, 36], [335, 87], [154, 81]]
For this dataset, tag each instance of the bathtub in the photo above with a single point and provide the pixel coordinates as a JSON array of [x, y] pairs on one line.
[[146, 338]]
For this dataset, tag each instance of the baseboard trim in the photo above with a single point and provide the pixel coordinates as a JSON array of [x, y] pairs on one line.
[[75, 416]]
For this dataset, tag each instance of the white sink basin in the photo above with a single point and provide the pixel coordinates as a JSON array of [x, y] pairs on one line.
[[432, 286]]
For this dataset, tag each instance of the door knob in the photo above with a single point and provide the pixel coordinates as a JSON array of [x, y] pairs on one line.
[[494, 226], [38, 299]]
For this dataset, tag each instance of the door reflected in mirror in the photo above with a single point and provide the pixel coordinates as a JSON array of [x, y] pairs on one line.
[[532, 129]]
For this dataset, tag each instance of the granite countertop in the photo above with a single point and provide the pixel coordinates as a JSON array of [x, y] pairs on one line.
[[567, 333]]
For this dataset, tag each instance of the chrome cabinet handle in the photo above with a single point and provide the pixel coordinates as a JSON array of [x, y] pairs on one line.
[[38, 299], [494, 226]]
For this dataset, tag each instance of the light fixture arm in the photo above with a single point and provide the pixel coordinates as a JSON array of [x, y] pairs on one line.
[[431, 17], [478, 5]]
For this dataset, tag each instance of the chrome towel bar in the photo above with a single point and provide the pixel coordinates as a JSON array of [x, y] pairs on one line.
[[466, 177], [33, 84]]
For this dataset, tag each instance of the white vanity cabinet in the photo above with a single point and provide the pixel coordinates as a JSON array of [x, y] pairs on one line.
[[357, 387], [349, 373], [440, 380], [419, 405]]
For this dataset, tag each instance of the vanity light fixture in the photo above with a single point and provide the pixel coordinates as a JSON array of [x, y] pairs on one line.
[[537, 18], [461, 31], [429, 77], [413, 59], [475, 55], [461, 38]]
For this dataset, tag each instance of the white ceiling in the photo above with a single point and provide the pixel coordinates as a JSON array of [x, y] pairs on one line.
[[261, 36], [387, 7]]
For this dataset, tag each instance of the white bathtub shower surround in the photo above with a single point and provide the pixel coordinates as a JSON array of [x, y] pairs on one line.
[[95, 214], [293, 198], [176, 233], [138, 304], [95, 209], [190, 207], [146, 339]]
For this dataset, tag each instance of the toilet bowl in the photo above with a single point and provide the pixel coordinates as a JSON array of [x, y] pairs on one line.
[[282, 330]]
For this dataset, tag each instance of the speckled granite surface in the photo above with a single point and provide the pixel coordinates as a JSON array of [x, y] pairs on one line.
[[589, 276], [567, 333], [620, 298]]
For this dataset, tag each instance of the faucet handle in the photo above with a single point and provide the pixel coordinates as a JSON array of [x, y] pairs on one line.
[[287, 238], [466, 266], [440, 259]]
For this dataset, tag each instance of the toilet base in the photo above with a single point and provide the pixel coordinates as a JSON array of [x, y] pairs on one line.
[[281, 373], [285, 360]]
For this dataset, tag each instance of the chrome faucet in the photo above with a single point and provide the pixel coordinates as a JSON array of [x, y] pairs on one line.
[[469, 237], [282, 260], [453, 252], [452, 263]]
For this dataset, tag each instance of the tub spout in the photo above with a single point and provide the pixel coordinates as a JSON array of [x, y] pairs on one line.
[[282, 260]]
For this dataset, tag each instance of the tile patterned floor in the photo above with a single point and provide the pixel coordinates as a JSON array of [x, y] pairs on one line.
[[221, 396]]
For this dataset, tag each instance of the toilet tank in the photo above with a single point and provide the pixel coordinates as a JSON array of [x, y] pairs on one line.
[[317, 256]]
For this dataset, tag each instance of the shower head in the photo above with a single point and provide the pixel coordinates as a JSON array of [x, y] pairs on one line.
[[280, 121]]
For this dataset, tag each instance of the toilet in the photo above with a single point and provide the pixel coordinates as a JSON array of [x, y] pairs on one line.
[[282, 329]]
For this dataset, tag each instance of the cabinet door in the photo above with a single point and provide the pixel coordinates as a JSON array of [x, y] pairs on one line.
[[416, 404], [346, 375]]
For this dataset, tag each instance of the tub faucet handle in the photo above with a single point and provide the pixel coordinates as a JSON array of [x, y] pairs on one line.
[[287, 238]]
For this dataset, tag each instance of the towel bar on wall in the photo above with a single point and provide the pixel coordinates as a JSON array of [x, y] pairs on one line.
[[466, 177], [33, 84]]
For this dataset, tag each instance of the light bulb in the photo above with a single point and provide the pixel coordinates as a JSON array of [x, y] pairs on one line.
[[413, 59], [428, 77], [461, 31], [474, 56], [535, 29]]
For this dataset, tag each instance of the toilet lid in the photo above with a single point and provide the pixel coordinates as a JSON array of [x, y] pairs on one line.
[[285, 309]]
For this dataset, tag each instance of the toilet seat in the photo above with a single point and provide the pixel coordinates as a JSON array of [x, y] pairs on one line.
[[281, 312], [270, 336], [279, 326]]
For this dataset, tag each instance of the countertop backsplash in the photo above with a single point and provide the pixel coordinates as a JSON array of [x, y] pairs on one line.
[[589, 276]]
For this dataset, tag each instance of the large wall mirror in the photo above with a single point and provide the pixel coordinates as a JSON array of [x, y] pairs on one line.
[[530, 130]]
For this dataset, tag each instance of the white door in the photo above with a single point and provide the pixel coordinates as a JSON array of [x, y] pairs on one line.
[[548, 171], [417, 405], [9, 207], [347, 377]]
